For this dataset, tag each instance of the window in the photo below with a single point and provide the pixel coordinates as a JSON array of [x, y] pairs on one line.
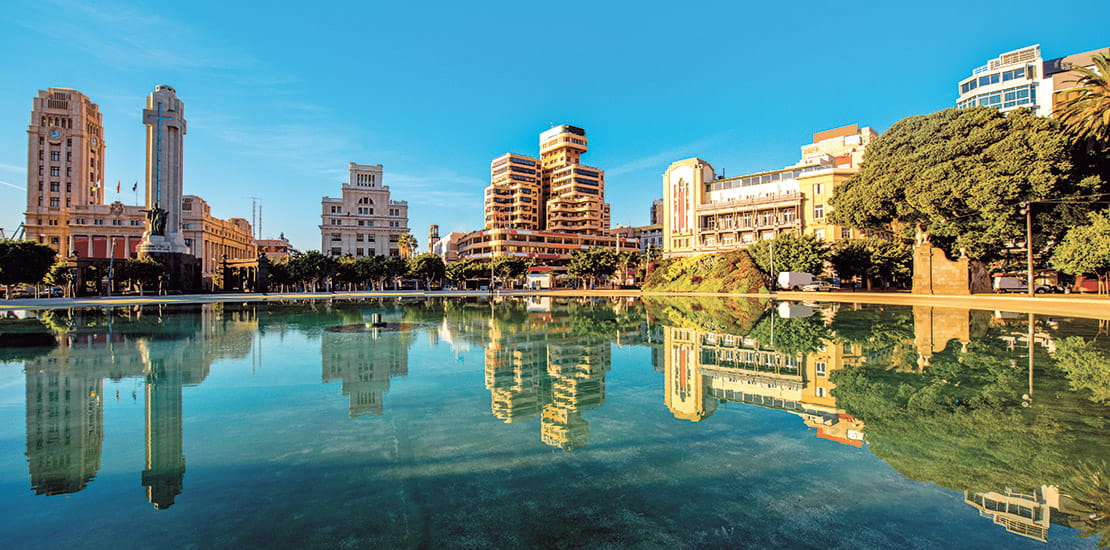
[[359, 238], [820, 367], [54, 187], [54, 202], [819, 234], [98, 221], [120, 222], [821, 392], [818, 211], [818, 188], [55, 171], [361, 223], [80, 221], [56, 156], [336, 252], [845, 233], [358, 252], [336, 237]]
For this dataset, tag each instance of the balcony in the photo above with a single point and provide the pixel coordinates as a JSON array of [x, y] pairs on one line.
[[777, 199]]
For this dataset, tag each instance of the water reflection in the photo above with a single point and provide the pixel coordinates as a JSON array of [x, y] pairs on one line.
[[1008, 410]]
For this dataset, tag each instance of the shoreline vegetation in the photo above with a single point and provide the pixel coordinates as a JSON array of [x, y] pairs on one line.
[[1088, 306]]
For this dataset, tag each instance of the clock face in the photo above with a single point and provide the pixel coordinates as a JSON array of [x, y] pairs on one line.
[[95, 142], [55, 134]]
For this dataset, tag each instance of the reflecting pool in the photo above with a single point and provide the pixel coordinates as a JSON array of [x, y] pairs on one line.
[[666, 422]]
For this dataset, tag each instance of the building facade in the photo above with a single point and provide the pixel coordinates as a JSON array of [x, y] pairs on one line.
[[65, 192], [544, 208], [574, 194], [514, 199], [1023, 79], [364, 220], [706, 213]]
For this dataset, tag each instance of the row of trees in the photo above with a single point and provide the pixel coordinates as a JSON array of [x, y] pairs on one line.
[[888, 262]]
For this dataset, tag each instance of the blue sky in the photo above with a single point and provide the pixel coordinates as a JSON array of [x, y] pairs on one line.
[[280, 97]]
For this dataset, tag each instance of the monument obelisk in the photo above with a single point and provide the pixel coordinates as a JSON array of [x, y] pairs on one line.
[[163, 241]]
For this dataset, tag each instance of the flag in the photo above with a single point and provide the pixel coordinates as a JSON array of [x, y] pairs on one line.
[[96, 186], [135, 187], [117, 186]]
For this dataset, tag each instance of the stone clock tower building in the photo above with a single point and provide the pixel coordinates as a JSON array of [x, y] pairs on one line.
[[65, 163]]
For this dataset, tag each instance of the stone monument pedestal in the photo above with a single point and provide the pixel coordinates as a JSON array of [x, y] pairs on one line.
[[182, 268]]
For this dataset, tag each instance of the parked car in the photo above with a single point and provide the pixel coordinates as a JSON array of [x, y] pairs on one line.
[[818, 286]]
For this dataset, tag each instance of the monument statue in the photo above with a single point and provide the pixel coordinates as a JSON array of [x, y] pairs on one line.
[[156, 220]]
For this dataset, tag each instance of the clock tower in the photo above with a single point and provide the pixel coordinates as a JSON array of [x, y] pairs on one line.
[[65, 163]]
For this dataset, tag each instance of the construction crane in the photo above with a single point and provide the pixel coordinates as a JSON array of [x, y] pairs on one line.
[[17, 236]]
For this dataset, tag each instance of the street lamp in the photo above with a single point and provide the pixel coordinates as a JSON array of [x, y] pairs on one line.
[[1028, 211]]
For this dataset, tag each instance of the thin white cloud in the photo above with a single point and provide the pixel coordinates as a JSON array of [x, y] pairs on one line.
[[438, 190], [661, 159], [21, 188], [12, 168], [128, 39]]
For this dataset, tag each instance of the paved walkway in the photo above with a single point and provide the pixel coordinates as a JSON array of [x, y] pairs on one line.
[[1074, 305]]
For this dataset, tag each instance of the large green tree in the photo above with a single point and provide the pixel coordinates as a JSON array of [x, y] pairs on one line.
[[510, 267], [311, 268], [960, 175], [792, 252], [592, 264], [1085, 249], [871, 259], [139, 273], [427, 266], [23, 262], [469, 268]]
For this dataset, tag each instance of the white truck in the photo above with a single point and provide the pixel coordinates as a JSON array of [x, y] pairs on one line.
[[794, 280], [1017, 284]]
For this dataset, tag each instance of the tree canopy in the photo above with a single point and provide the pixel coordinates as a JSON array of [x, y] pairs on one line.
[[793, 252], [426, 266], [592, 264], [24, 262], [960, 175], [1086, 248]]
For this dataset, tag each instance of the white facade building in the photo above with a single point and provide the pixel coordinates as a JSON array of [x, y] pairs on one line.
[[364, 221], [1010, 81]]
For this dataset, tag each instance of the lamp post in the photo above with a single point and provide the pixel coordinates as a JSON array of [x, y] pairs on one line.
[[111, 262], [1028, 207]]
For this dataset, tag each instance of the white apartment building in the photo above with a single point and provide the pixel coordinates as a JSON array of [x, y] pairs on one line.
[[1023, 79], [364, 221]]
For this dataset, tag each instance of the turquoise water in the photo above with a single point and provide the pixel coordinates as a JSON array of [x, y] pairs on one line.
[[672, 423]]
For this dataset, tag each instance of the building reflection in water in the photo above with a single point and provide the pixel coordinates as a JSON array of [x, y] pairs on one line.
[[65, 408], [703, 369], [364, 362], [541, 366]]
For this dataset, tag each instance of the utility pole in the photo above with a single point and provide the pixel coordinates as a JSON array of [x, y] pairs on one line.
[[1029, 246]]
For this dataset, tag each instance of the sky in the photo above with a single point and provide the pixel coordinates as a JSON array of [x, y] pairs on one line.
[[279, 97]]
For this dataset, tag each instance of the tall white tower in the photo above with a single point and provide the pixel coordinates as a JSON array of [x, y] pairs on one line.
[[164, 118]]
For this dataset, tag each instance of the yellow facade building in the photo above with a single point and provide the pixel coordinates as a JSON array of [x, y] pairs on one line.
[[703, 212]]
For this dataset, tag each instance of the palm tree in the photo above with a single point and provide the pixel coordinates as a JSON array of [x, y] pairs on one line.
[[407, 245], [1086, 114]]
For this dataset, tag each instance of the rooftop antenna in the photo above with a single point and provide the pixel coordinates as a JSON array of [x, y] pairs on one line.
[[256, 216]]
